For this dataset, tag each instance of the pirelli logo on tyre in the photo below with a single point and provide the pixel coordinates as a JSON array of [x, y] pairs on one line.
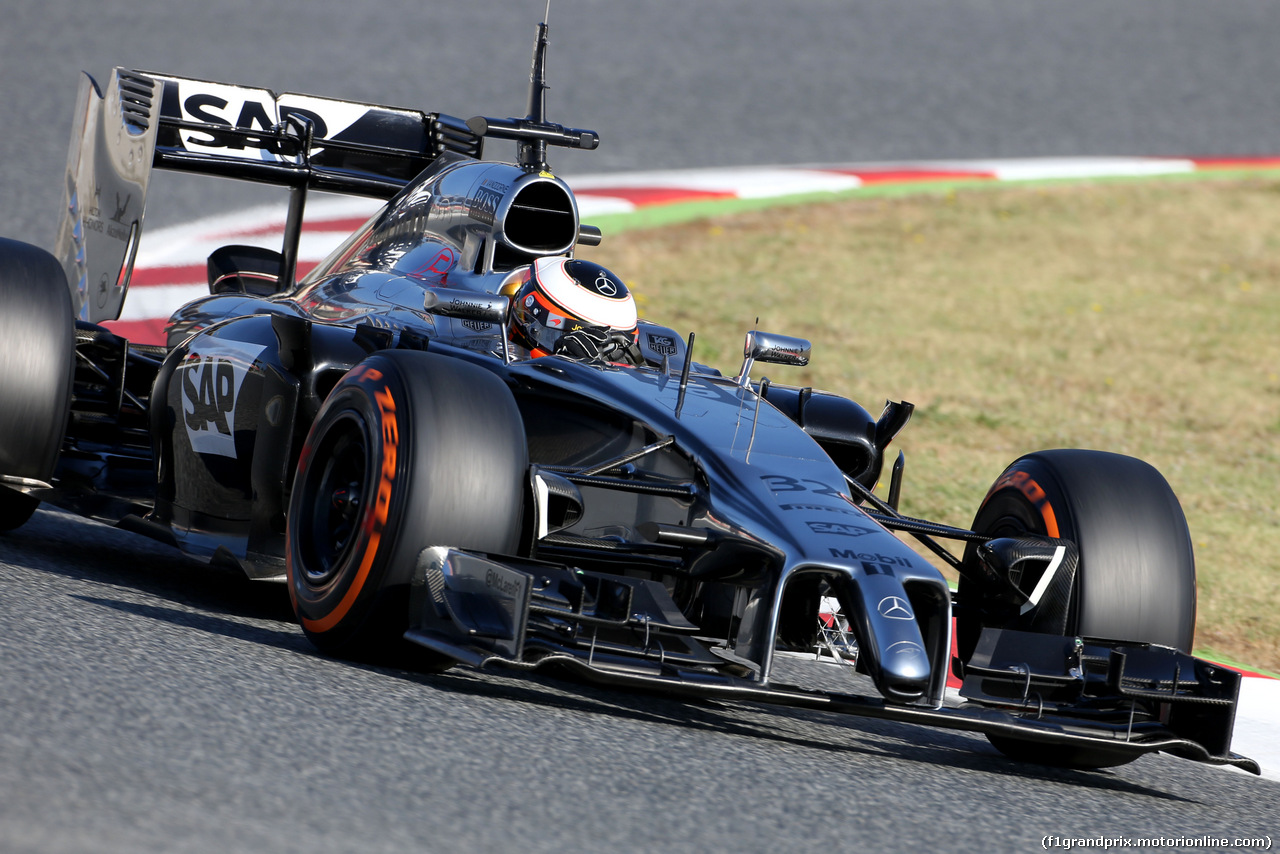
[[389, 433], [390, 442], [383, 432], [1033, 492]]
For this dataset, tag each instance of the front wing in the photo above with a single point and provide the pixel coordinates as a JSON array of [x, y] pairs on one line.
[[1117, 700]]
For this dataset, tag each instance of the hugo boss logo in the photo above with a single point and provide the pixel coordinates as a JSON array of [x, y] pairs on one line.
[[483, 206]]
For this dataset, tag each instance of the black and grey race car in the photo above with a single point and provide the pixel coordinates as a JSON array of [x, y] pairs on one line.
[[594, 503]]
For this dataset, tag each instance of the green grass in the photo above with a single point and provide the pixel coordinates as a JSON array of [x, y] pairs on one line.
[[1141, 317]]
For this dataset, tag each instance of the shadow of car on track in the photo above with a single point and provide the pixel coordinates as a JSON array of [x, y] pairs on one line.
[[129, 573], [86, 551], [838, 735], [210, 623]]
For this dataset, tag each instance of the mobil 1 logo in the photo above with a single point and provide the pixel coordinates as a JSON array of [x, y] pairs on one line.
[[210, 380]]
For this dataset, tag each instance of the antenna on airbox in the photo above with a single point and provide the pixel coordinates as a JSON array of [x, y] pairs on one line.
[[534, 133], [534, 151], [538, 87]]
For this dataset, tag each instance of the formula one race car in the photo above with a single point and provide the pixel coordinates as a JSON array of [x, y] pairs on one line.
[[455, 437]]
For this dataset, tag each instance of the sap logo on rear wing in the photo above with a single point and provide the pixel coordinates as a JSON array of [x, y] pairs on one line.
[[222, 105], [253, 115]]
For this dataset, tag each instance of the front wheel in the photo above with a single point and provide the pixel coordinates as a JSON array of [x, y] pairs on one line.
[[1136, 576], [410, 450]]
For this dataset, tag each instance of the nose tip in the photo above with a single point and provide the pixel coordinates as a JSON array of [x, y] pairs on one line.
[[905, 670]]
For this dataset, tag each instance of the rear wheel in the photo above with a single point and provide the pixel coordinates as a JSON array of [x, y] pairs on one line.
[[1136, 578], [37, 348], [410, 450]]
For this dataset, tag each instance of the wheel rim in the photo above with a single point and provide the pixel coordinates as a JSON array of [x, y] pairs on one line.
[[334, 500]]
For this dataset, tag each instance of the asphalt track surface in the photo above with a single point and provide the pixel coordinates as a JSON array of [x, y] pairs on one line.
[[148, 703]]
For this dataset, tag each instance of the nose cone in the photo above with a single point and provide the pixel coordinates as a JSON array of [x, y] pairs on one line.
[[905, 671], [888, 633]]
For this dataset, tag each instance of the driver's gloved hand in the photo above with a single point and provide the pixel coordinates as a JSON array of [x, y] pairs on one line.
[[590, 343], [585, 342]]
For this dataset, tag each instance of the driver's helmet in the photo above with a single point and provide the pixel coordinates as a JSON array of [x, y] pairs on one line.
[[574, 307]]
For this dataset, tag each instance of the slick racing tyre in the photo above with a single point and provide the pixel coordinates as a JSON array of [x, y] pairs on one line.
[[37, 352], [1136, 577], [410, 450]]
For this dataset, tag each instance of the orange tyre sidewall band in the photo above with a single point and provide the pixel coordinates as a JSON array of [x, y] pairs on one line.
[[1033, 492], [376, 521]]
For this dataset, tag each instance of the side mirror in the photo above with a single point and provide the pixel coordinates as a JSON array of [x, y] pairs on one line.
[[471, 305], [468, 305], [773, 349], [250, 270]]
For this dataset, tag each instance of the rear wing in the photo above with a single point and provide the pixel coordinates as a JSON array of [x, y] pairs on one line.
[[145, 120]]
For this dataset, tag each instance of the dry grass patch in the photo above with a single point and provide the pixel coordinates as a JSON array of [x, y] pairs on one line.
[[1136, 317]]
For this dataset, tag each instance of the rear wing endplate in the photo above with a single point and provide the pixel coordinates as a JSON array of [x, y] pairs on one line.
[[146, 120], [108, 167]]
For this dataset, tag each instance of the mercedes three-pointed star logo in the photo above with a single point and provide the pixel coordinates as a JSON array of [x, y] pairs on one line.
[[895, 608]]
